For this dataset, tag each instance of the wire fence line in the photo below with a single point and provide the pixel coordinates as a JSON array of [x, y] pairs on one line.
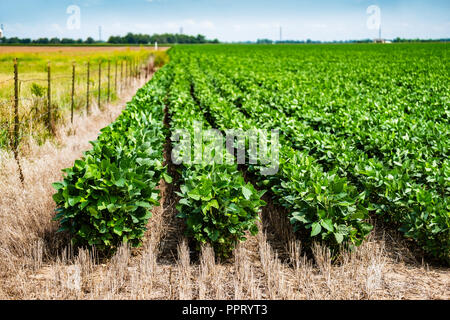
[[32, 80], [22, 117], [7, 80]]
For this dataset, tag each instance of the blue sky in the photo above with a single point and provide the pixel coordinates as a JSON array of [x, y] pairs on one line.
[[229, 20]]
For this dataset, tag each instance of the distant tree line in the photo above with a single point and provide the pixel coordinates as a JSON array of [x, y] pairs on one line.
[[264, 41], [15, 40], [309, 41], [131, 38], [398, 39], [268, 41], [171, 38]]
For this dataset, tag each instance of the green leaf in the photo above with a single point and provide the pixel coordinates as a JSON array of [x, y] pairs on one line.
[[327, 224], [316, 228], [118, 230], [74, 200], [339, 238], [143, 204], [247, 192], [58, 185], [194, 195], [213, 204], [167, 178], [299, 216], [120, 183]]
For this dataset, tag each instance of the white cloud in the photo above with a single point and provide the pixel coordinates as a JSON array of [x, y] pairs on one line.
[[319, 25], [172, 25], [207, 24], [144, 26], [189, 22], [56, 27], [268, 25]]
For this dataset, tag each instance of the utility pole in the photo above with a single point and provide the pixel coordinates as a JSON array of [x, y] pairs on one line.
[[181, 30], [100, 33], [281, 33]]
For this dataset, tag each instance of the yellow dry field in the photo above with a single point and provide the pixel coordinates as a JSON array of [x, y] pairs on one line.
[[48, 49], [110, 69]]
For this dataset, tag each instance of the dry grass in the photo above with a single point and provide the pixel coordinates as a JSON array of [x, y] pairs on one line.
[[37, 263]]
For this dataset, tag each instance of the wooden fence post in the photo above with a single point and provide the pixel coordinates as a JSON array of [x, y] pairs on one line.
[[140, 70], [146, 71], [109, 81], [49, 97], [126, 73], [121, 76], [16, 120], [16, 106], [129, 73], [99, 83], [87, 86], [73, 92], [115, 80], [136, 68]]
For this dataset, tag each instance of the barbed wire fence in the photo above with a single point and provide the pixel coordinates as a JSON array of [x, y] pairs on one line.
[[27, 117]]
